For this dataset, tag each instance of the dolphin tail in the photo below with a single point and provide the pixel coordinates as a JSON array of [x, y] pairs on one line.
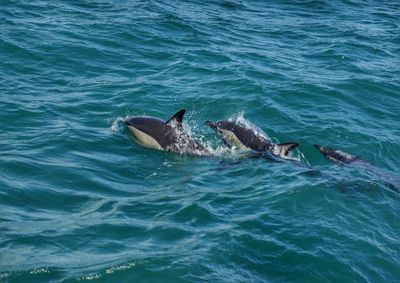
[[283, 149]]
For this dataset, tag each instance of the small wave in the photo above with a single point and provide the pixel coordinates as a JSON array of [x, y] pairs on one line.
[[90, 277], [120, 267], [108, 271], [39, 271]]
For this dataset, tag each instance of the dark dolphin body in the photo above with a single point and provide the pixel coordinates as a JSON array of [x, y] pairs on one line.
[[337, 155], [391, 180], [169, 136], [245, 138]]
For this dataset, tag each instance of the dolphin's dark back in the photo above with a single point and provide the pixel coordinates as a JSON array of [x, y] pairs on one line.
[[251, 139], [246, 135], [169, 135]]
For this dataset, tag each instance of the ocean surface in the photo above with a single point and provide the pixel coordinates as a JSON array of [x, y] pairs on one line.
[[81, 201]]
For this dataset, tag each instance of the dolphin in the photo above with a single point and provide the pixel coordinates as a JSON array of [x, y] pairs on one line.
[[167, 135], [244, 138], [338, 156]]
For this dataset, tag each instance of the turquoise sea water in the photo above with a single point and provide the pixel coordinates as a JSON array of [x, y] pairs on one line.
[[81, 201]]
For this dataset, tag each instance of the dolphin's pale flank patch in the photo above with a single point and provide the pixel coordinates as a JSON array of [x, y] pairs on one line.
[[144, 139], [233, 140]]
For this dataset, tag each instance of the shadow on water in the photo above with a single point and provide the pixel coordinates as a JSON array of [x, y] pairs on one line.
[[359, 177], [350, 180]]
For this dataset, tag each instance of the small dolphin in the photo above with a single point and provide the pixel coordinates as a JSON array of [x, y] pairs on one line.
[[388, 178], [169, 136], [337, 155], [244, 138]]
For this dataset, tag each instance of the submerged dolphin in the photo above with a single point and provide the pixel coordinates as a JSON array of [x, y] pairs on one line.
[[245, 138], [169, 136], [337, 155], [391, 180]]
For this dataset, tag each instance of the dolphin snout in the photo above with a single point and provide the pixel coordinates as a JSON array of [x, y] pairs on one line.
[[324, 150], [319, 147], [211, 124]]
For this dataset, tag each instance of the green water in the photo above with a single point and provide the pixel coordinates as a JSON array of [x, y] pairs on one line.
[[81, 201]]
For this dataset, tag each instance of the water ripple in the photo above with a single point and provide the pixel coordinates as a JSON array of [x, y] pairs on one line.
[[80, 201]]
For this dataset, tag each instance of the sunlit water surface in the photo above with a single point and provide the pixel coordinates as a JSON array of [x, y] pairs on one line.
[[81, 201]]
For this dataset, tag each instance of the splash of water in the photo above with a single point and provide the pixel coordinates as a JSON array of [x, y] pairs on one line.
[[116, 124], [302, 158], [239, 119]]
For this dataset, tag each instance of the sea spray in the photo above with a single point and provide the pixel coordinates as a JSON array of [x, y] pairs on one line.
[[117, 124]]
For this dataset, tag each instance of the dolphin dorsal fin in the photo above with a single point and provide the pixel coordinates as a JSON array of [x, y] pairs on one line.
[[178, 117], [285, 148]]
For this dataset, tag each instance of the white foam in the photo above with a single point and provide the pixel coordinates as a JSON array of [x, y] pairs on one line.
[[115, 125], [120, 267], [39, 271], [239, 119]]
